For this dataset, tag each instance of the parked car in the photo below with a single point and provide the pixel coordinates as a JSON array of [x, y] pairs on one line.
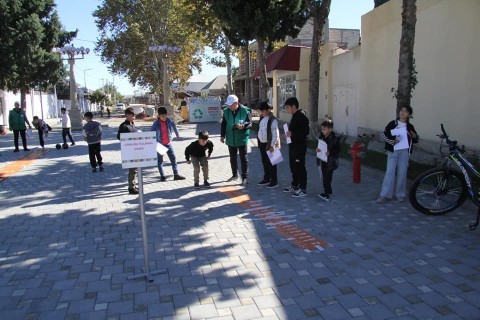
[[139, 110], [120, 107]]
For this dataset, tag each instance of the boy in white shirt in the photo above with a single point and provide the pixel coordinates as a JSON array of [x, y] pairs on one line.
[[268, 140]]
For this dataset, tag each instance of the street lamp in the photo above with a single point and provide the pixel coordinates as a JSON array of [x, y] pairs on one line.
[[165, 50], [84, 78], [70, 52]]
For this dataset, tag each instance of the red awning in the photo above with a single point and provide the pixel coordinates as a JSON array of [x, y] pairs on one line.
[[286, 58]]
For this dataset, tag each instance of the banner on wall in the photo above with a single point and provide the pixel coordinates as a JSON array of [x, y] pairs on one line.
[[206, 109]]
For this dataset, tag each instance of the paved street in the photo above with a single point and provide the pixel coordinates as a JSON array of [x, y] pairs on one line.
[[69, 240]]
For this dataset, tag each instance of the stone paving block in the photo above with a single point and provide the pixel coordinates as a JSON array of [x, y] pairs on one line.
[[203, 311], [245, 312], [80, 306], [119, 308]]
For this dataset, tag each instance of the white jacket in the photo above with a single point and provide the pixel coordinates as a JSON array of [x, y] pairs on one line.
[[66, 120]]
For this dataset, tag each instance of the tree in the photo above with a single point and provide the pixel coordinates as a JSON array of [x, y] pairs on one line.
[[129, 28], [29, 30], [97, 96], [261, 20], [407, 79], [319, 10]]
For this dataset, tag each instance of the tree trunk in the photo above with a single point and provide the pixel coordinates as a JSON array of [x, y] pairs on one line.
[[405, 65], [248, 95], [263, 94], [228, 61], [320, 15]]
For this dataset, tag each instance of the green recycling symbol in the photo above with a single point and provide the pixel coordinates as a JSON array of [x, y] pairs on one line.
[[198, 114]]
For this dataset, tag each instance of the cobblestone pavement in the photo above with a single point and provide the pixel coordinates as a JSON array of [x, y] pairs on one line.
[[69, 240]]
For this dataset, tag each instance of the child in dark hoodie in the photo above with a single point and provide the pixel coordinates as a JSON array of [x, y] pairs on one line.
[[333, 149], [92, 134]]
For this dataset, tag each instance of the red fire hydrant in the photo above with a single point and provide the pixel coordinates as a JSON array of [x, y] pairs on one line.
[[357, 153]]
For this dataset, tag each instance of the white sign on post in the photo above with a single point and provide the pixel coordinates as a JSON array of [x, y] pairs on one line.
[[138, 149]]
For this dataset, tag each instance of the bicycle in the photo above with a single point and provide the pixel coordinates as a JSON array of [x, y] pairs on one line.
[[443, 189]]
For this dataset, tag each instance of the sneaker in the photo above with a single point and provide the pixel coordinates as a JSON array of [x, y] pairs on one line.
[[244, 182], [16, 150], [400, 199], [233, 178], [132, 190], [381, 200], [178, 177], [26, 149], [101, 168], [272, 185], [196, 185], [324, 196], [263, 182], [289, 189], [206, 184], [94, 170], [299, 194], [72, 144], [163, 178]]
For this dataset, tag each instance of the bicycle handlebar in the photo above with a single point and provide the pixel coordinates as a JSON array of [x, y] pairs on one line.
[[450, 143]]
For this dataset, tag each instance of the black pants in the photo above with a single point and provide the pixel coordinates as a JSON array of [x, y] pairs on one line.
[[66, 132], [243, 160], [327, 176], [296, 157], [15, 138], [269, 171], [40, 137], [94, 154]]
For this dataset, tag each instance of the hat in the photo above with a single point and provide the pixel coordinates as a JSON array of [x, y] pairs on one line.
[[265, 106], [231, 99], [16, 103]]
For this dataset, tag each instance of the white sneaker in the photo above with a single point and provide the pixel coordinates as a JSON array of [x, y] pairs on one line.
[[381, 200], [299, 194]]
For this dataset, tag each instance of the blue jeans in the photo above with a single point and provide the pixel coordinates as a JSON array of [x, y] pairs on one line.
[[171, 156], [397, 161]]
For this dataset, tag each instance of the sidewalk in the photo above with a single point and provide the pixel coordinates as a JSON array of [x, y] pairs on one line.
[[69, 240]]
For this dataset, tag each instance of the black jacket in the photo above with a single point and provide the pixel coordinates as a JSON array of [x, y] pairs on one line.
[[299, 128], [197, 150], [390, 140], [333, 146], [125, 127]]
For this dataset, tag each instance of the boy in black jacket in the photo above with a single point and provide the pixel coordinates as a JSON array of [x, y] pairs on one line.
[[129, 126], [333, 149], [298, 131], [195, 153]]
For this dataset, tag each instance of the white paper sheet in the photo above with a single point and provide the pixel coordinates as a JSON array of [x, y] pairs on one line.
[[275, 156], [285, 129], [161, 149], [401, 134], [322, 155]]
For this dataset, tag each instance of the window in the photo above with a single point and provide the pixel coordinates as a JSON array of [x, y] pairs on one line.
[[285, 88]]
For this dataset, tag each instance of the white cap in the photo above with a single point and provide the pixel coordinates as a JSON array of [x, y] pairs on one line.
[[231, 99]]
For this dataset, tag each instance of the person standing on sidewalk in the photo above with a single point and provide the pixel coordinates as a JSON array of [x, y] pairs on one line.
[[298, 131], [195, 153], [165, 127], [66, 127], [397, 160], [235, 132], [129, 126], [268, 140], [16, 123], [43, 130], [329, 166], [92, 134]]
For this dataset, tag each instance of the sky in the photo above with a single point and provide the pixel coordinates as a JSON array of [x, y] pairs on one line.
[[92, 73]]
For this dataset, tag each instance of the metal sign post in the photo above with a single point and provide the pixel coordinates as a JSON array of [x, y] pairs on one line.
[[139, 149]]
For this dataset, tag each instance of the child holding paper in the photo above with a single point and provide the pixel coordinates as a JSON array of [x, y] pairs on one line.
[[332, 149], [268, 140], [397, 131]]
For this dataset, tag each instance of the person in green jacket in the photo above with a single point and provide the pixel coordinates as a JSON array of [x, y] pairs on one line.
[[235, 132], [16, 123]]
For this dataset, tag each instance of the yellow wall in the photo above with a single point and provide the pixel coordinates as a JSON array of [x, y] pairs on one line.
[[446, 50]]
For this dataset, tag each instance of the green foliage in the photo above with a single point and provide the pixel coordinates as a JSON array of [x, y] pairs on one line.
[[97, 96], [29, 29], [128, 29]]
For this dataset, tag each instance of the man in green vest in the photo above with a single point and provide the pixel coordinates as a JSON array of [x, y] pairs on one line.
[[16, 123], [235, 132]]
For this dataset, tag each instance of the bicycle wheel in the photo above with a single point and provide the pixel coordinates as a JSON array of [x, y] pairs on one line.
[[438, 191]]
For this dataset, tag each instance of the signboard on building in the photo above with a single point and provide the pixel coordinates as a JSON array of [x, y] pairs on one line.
[[208, 109], [138, 149]]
